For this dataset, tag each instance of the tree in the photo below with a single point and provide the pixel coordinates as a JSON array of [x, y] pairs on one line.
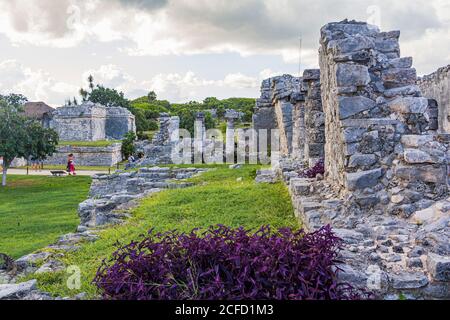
[[41, 142], [151, 96], [22, 138], [16, 100], [128, 147], [91, 82], [84, 94], [108, 97]]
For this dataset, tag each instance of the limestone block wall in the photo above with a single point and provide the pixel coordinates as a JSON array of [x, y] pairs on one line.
[[370, 99], [163, 143], [437, 86], [119, 121], [298, 135], [79, 123], [314, 135], [87, 156]]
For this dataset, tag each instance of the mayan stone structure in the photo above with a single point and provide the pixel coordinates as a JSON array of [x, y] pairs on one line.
[[314, 119], [385, 188], [160, 150], [436, 86], [88, 156], [280, 100], [91, 122]]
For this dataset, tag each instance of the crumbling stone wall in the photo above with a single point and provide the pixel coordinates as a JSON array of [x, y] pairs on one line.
[[160, 150], [436, 86], [278, 107], [385, 190], [314, 118], [370, 100]]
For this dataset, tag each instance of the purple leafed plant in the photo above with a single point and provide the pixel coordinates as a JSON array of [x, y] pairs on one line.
[[226, 264], [319, 168]]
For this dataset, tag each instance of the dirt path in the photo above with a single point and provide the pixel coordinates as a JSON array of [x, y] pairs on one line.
[[47, 172]]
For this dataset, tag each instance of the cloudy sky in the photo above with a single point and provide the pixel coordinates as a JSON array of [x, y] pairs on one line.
[[190, 49]]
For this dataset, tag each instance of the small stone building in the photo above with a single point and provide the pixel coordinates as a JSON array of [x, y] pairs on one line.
[[91, 122]]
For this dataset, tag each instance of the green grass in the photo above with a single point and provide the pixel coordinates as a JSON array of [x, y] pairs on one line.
[[103, 143], [35, 211], [218, 197]]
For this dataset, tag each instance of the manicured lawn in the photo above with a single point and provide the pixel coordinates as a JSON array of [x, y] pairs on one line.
[[221, 196], [102, 143], [35, 211]]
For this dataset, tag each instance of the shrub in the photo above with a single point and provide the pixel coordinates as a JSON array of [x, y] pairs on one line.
[[224, 263], [318, 168]]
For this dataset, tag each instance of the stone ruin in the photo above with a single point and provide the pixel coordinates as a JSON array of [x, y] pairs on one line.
[[436, 86], [90, 122], [163, 144], [386, 156]]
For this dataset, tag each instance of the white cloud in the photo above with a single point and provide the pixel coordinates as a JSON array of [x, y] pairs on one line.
[[37, 85], [160, 27]]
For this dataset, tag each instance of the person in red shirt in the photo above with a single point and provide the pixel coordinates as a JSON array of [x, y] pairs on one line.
[[71, 165]]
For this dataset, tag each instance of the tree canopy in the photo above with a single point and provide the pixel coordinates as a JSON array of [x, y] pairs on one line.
[[21, 137]]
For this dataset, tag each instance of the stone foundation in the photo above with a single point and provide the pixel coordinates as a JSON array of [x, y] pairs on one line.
[[87, 156]]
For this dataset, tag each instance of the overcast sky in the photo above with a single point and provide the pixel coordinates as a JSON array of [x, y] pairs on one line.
[[190, 49]]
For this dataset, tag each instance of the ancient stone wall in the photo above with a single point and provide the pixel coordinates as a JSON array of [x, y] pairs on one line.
[[370, 100], [385, 190], [86, 122], [119, 121], [91, 122], [159, 151], [314, 119], [278, 106], [437, 86], [87, 156]]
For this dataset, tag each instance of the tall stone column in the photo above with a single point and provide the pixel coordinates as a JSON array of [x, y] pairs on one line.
[[199, 137], [230, 116], [314, 118]]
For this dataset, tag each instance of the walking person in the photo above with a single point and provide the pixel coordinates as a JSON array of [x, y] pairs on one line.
[[71, 165]]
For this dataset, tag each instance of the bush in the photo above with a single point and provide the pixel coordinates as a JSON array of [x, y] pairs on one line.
[[128, 147], [224, 263]]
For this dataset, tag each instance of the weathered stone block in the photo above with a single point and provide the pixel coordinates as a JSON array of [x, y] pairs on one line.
[[418, 156], [399, 77], [353, 134], [426, 173], [409, 105], [409, 280], [351, 44], [362, 160], [350, 106], [348, 74], [439, 267], [363, 179], [416, 141], [405, 62]]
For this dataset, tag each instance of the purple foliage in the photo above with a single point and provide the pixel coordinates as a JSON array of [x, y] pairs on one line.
[[319, 168], [226, 264]]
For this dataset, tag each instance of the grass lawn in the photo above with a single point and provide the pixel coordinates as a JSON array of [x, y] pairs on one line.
[[218, 197], [102, 143], [35, 211]]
